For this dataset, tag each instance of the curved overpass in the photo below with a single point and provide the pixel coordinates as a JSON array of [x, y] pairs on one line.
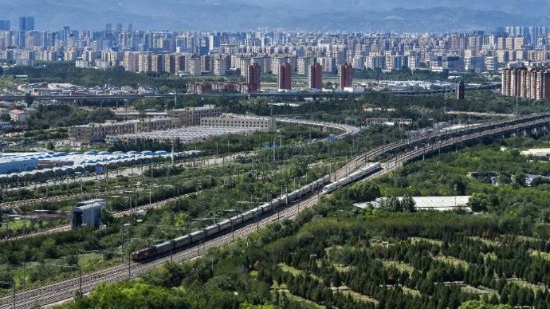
[[347, 129]]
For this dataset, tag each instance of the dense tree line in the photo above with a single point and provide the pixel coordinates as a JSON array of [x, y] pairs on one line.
[[345, 250], [66, 72], [52, 116]]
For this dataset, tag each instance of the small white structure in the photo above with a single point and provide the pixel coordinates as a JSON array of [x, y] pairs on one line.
[[538, 153], [439, 203]]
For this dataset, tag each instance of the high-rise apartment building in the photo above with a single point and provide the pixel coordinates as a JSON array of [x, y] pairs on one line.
[[302, 65], [221, 64], [519, 43], [169, 63], [345, 75], [315, 77], [26, 23], [253, 75], [284, 78], [529, 83], [5, 25], [194, 65], [207, 63]]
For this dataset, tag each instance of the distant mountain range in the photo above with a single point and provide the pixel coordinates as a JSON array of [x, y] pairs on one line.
[[324, 15]]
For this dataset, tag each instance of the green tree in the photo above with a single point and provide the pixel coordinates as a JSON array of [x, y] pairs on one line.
[[392, 203], [251, 306], [364, 192], [520, 178], [479, 202], [107, 216], [408, 204], [336, 280], [132, 295], [473, 304]]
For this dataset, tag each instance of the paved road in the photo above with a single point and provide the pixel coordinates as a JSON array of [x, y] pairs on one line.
[[347, 129]]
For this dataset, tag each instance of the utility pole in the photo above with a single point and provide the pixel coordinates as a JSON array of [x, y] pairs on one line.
[[129, 266], [171, 250], [172, 154], [455, 187], [80, 279]]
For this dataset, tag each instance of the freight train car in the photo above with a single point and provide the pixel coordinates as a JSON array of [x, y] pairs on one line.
[[228, 224]]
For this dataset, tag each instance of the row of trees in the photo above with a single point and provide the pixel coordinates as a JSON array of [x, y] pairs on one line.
[[66, 72], [331, 252], [53, 116]]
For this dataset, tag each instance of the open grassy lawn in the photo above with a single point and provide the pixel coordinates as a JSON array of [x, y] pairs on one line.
[[543, 255], [289, 269], [415, 240], [399, 265], [534, 287], [298, 298], [480, 290], [452, 261], [357, 296]]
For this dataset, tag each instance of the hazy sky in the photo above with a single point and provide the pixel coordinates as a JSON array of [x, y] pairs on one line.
[[249, 14]]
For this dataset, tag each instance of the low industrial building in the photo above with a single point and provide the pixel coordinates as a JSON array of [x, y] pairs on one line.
[[229, 120], [17, 165], [88, 214], [176, 118], [191, 116], [187, 135], [439, 203], [67, 163], [97, 132]]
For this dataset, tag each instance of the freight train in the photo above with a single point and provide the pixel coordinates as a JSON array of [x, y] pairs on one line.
[[228, 224]]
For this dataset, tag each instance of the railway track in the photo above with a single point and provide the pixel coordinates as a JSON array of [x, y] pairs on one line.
[[66, 289], [407, 150], [64, 228]]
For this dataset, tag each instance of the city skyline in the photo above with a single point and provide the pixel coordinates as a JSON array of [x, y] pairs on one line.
[[187, 53]]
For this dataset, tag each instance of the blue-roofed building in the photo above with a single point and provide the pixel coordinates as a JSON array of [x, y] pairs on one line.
[[17, 165]]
